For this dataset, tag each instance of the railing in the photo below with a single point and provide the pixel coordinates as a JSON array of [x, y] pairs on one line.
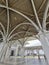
[[16, 60]]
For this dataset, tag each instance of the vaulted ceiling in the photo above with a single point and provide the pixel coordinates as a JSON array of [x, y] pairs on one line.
[[25, 7]]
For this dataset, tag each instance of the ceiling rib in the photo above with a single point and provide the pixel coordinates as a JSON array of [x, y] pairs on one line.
[[36, 14], [3, 28], [7, 17], [18, 26], [45, 16], [37, 28], [41, 5]]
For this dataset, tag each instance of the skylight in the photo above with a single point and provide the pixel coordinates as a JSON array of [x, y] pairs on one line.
[[33, 43]]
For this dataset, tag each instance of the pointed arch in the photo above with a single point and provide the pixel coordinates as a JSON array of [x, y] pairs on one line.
[[45, 16], [35, 12], [16, 34], [23, 15], [18, 26]]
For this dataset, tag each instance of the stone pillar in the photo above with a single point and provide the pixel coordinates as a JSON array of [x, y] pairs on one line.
[[38, 55], [4, 53], [7, 54], [22, 51], [2, 49], [17, 50], [45, 45]]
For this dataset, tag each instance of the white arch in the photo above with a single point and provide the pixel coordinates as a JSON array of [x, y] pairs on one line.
[[38, 21], [45, 16], [17, 27], [16, 34], [21, 15], [3, 28]]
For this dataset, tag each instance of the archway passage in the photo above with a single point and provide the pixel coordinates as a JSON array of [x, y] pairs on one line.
[[20, 19]]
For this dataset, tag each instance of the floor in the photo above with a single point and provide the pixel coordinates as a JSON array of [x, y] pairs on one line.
[[27, 61]]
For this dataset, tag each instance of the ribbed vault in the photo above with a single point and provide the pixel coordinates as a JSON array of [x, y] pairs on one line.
[[9, 18]]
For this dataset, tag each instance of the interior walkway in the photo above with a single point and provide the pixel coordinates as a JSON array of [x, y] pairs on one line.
[[28, 61]]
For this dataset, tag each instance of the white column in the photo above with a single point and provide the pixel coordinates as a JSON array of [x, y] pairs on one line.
[[4, 52], [45, 46], [17, 50], [2, 49], [7, 54], [22, 51]]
